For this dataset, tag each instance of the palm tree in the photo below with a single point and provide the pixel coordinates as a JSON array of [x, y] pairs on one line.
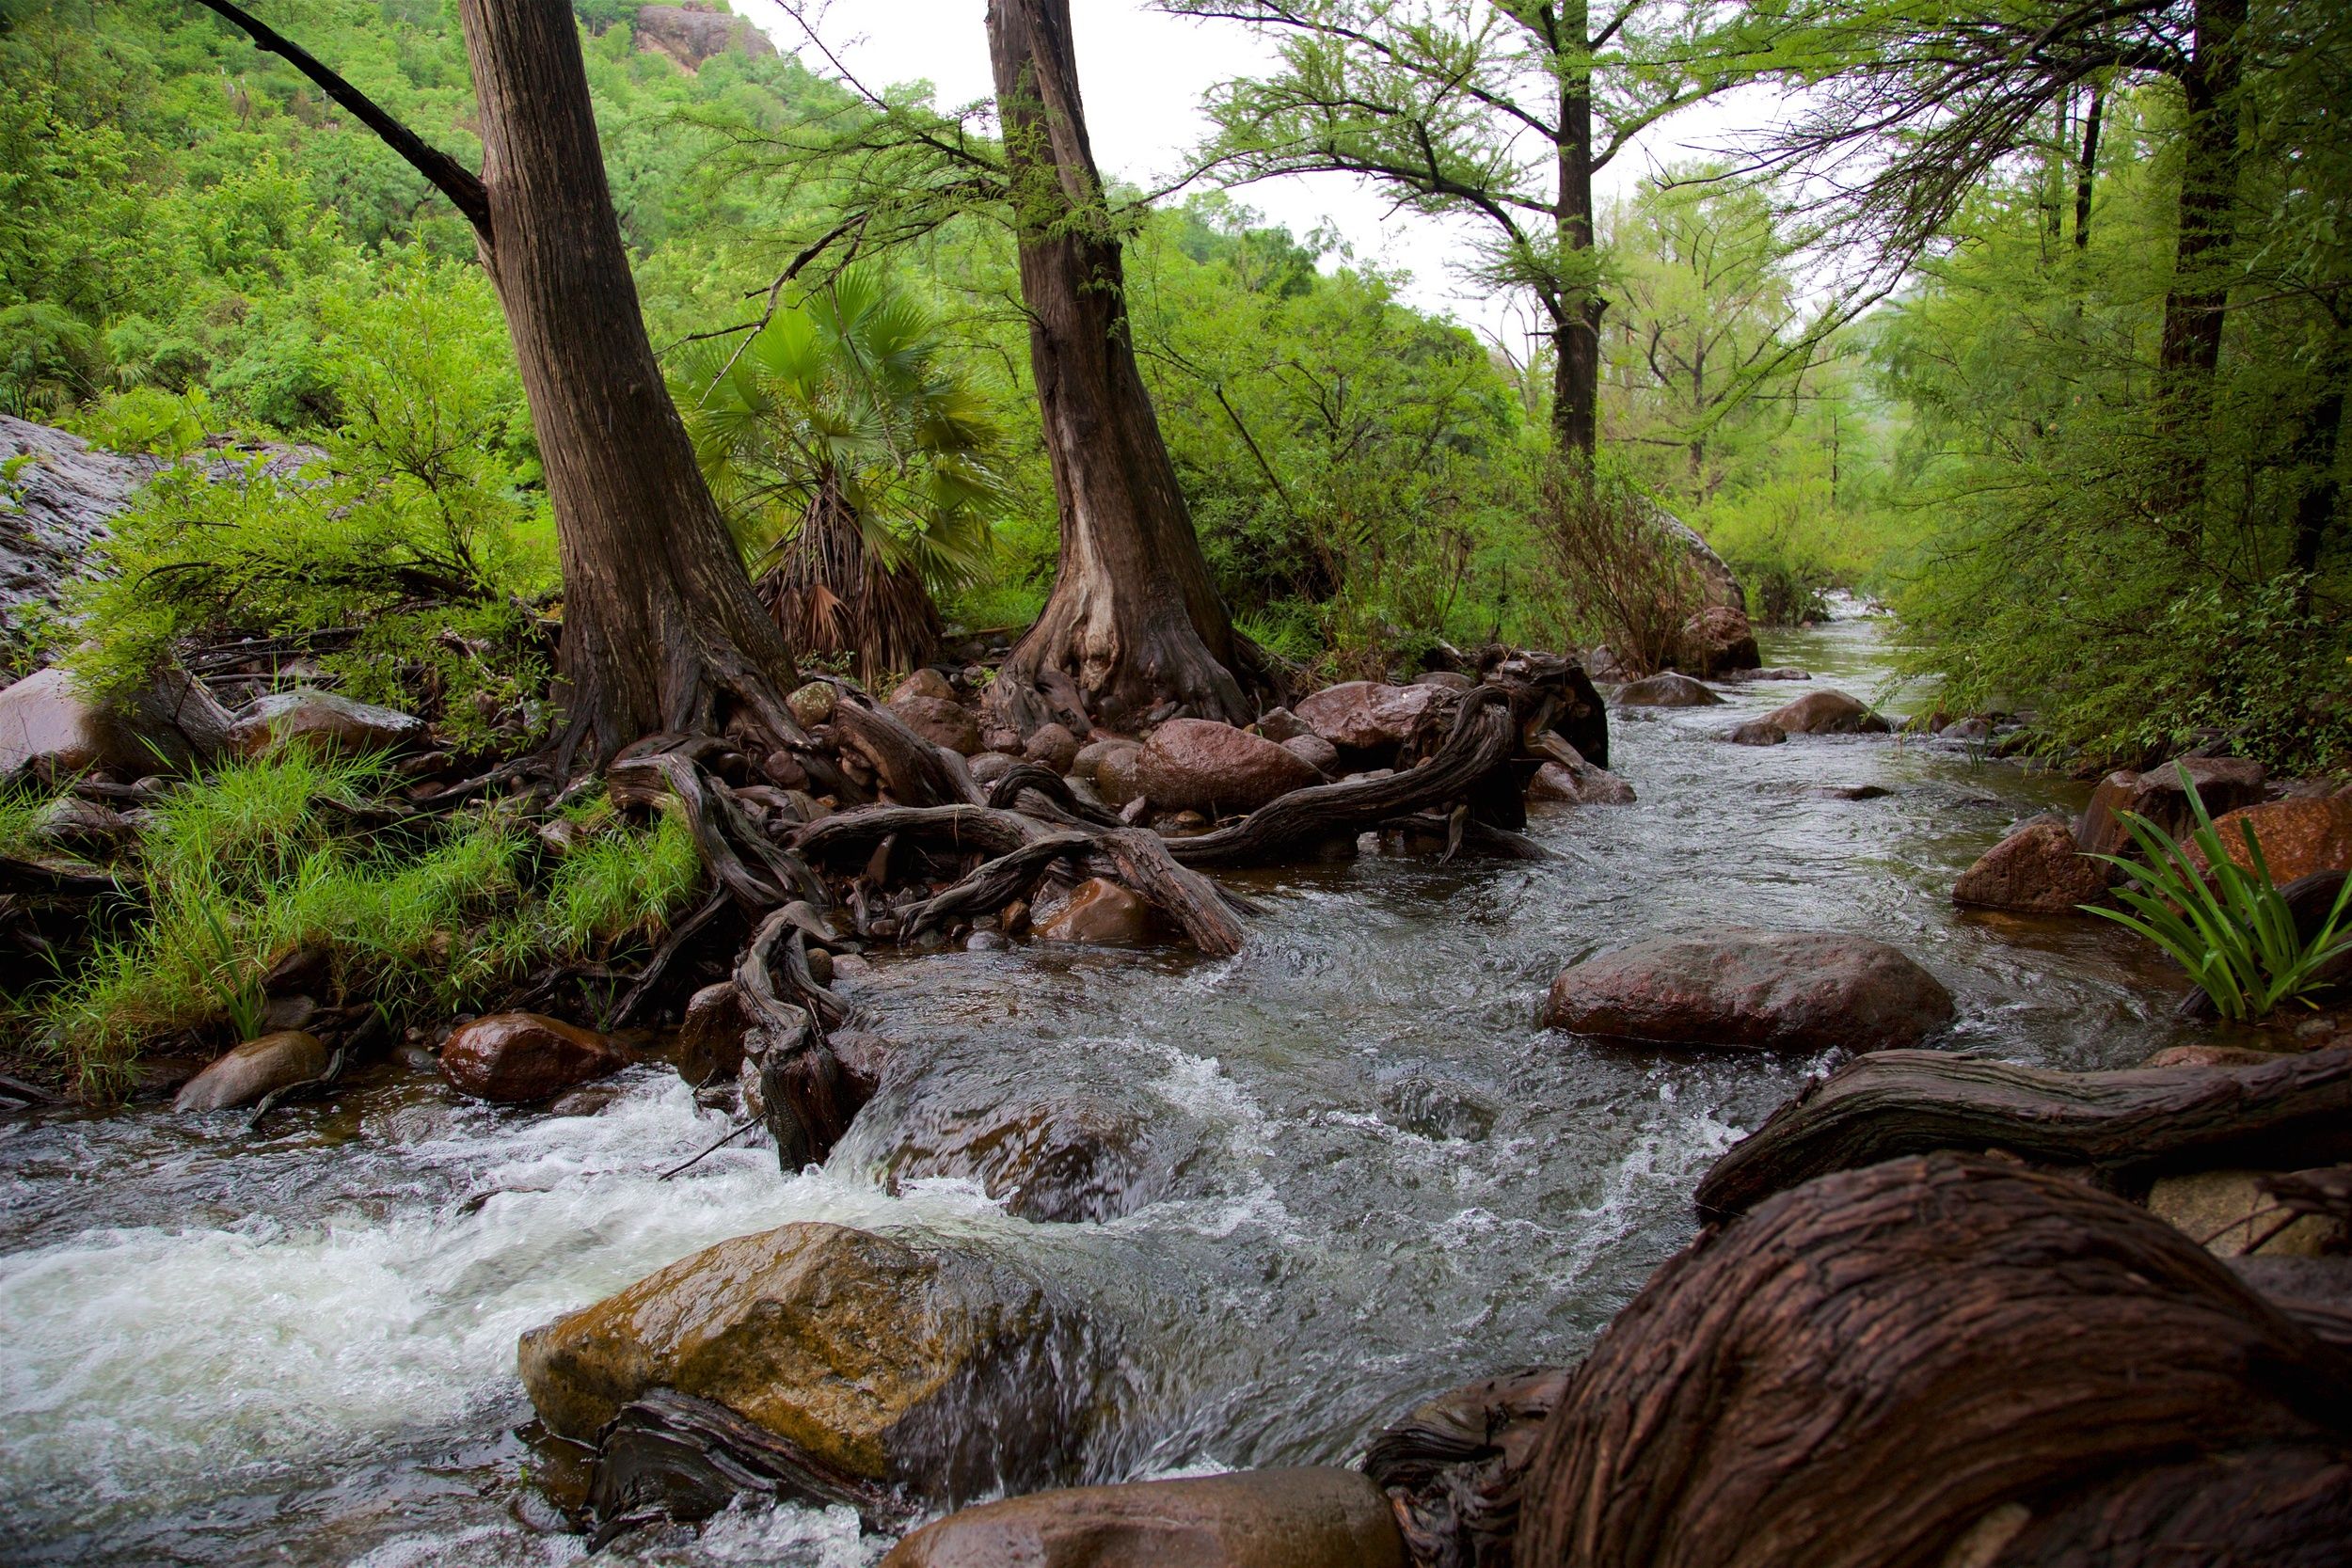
[[857, 466]]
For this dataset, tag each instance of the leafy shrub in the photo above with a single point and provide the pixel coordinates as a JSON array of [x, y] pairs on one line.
[[2226, 924], [1623, 579]]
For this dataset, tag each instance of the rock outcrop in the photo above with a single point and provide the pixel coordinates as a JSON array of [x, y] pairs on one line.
[[1752, 991], [693, 32]]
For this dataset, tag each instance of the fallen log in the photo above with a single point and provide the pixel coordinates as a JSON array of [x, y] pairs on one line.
[[1945, 1360], [2128, 1126]]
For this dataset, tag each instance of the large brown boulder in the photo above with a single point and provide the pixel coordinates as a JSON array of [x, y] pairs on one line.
[[1939, 1361], [1827, 713], [2224, 784], [2298, 838], [324, 722], [258, 1068], [1718, 641], [1752, 991], [1366, 716], [934, 1369], [1199, 765], [1099, 910], [48, 727], [1669, 689], [2035, 870], [941, 721], [1076, 1157], [515, 1058], [1317, 1517]]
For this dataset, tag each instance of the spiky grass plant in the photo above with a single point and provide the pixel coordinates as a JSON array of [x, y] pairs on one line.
[[2228, 925]]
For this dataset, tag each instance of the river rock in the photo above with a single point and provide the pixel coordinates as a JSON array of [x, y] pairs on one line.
[[2298, 838], [1716, 641], [1578, 784], [323, 721], [1827, 713], [989, 766], [1089, 761], [1118, 773], [1052, 746], [926, 682], [1318, 1517], [2226, 1212], [1445, 680], [1669, 689], [254, 1069], [942, 720], [1752, 991], [2200, 1054], [513, 1058], [1081, 1157], [2035, 870], [1100, 911], [2224, 784], [1279, 724], [812, 704], [1319, 753], [1365, 716], [938, 1369], [83, 827], [710, 1043], [1200, 765], [1759, 731], [47, 728]]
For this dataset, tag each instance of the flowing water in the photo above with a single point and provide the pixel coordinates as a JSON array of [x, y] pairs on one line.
[[1370, 1175]]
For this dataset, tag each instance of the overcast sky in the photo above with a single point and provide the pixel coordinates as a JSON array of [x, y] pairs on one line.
[[1144, 74]]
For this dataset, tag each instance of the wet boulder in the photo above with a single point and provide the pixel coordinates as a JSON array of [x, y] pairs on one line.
[[710, 1043], [2224, 784], [323, 721], [1318, 1517], [1827, 713], [1200, 765], [1079, 1157], [1118, 773], [1669, 689], [1716, 641], [2298, 838], [1577, 784], [1099, 912], [942, 720], [255, 1069], [2035, 870], [1367, 716], [49, 728], [1752, 991], [1759, 731], [1319, 753], [1089, 760], [938, 1369], [515, 1058], [1052, 746]]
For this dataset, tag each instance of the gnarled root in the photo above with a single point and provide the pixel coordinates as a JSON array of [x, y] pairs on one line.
[[806, 1099]]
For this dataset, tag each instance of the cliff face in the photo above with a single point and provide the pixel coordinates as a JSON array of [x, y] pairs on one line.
[[694, 32]]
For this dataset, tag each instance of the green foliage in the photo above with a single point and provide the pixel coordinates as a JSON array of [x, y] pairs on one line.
[[2226, 924], [258, 860]]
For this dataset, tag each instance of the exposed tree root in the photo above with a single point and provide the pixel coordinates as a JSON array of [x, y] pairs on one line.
[[807, 1099], [2129, 1125]]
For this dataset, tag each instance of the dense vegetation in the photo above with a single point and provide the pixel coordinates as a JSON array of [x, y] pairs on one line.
[[196, 242]]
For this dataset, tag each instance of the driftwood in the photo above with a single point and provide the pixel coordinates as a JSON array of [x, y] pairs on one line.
[[670, 1455], [2129, 1125], [1455, 1466], [1939, 1361]]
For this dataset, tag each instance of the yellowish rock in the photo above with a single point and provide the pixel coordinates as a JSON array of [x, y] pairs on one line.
[[2227, 1214]]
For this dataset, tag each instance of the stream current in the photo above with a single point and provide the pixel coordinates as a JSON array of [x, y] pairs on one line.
[[1374, 1177]]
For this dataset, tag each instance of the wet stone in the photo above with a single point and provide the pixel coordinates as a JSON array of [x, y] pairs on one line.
[[254, 1069], [515, 1058]]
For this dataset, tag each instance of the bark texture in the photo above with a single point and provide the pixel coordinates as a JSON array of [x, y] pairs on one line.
[[1133, 618], [1947, 1360], [662, 629], [2130, 1125]]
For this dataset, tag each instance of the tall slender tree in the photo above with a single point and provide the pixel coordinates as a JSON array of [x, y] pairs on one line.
[[1500, 112], [662, 629]]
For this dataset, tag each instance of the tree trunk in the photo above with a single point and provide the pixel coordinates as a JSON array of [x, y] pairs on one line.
[[1133, 618], [2087, 173], [661, 630], [2194, 309], [1576, 339]]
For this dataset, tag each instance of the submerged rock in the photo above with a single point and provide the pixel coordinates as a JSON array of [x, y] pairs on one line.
[[1100, 911], [257, 1069], [1199, 765], [1759, 731], [1827, 713], [935, 1370], [1670, 689], [1578, 784], [1080, 1157], [513, 1058], [49, 728], [1319, 1517], [324, 722], [1366, 716], [2224, 784], [1753, 991], [2035, 870]]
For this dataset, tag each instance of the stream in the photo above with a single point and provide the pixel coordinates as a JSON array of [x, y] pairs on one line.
[[1372, 1177]]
